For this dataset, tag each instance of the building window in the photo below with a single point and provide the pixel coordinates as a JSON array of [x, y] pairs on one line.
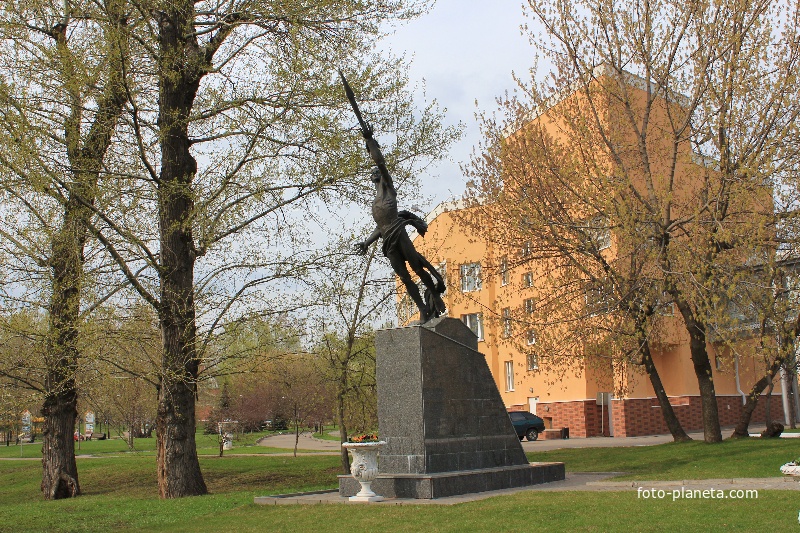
[[474, 322], [504, 271], [506, 322], [599, 232], [509, 376], [443, 270], [533, 362], [529, 306], [530, 336], [596, 300], [527, 249], [405, 308], [527, 279], [470, 277], [717, 362], [665, 306]]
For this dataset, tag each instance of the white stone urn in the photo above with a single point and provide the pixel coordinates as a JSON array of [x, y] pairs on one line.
[[365, 468], [790, 469]]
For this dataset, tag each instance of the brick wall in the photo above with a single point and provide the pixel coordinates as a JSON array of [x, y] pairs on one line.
[[642, 416], [583, 418]]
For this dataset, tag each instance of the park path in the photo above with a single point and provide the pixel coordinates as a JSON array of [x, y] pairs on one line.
[[307, 442], [575, 481]]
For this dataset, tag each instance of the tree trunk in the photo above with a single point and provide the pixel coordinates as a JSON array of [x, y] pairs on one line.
[[178, 466], [296, 429], [705, 381], [742, 426], [60, 408], [344, 456], [59, 469], [179, 472], [793, 400], [767, 401], [674, 425]]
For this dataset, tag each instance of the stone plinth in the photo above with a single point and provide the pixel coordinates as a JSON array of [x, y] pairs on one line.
[[446, 428]]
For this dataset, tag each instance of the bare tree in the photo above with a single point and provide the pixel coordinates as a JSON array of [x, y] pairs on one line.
[[629, 145], [354, 295], [305, 394]]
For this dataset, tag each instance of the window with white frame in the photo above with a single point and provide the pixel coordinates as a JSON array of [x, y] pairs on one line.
[[527, 279], [405, 308], [665, 306], [527, 249], [597, 301], [474, 321], [506, 322], [504, 271], [533, 362], [529, 305], [470, 277], [509, 376], [600, 232], [530, 337], [443, 270]]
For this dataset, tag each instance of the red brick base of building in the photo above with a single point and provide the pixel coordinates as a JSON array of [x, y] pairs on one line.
[[634, 417]]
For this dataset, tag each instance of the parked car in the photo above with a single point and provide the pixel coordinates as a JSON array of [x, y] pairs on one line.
[[526, 424]]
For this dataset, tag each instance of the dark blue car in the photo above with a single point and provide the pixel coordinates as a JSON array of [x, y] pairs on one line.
[[526, 424]]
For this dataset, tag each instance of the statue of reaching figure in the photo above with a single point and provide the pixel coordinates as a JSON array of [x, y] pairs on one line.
[[390, 226]]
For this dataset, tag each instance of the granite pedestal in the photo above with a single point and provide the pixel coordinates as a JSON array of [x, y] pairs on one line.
[[446, 428]]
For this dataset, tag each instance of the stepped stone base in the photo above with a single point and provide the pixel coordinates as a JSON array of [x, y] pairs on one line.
[[444, 484], [446, 427]]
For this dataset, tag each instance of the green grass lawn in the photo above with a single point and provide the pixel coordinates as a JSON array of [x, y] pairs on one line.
[[206, 445], [327, 435], [120, 493], [691, 460]]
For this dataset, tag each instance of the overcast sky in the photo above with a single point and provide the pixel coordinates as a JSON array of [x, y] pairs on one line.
[[465, 50]]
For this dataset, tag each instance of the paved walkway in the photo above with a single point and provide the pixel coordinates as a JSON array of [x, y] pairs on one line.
[[575, 481], [307, 442]]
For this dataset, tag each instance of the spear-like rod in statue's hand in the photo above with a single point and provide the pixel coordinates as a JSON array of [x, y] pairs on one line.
[[366, 130]]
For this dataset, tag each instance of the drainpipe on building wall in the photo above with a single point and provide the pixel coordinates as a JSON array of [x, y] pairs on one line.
[[738, 382], [785, 396]]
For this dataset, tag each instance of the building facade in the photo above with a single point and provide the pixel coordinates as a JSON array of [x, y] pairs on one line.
[[482, 290], [492, 288]]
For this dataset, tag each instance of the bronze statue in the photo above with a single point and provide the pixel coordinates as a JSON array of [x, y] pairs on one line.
[[391, 223]]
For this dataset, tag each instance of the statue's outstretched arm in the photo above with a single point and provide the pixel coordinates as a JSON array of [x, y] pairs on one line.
[[362, 246]]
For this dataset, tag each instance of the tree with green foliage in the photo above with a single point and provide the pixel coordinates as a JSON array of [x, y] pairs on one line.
[[235, 131], [62, 98]]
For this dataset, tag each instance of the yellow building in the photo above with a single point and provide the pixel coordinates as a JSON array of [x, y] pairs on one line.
[[478, 285], [488, 287]]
